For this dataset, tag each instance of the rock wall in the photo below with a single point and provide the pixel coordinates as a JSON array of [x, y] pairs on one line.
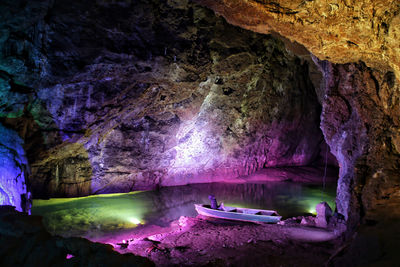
[[338, 31], [360, 100], [13, 171], [360, 121], [131, 95]]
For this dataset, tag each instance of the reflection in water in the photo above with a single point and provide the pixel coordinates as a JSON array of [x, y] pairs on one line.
[[101, 214]]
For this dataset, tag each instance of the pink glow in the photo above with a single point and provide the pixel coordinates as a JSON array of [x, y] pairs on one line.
[[192, 152]]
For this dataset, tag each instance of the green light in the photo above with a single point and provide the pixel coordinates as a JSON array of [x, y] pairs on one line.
[[87, 216], [135, 220], [312, 210]]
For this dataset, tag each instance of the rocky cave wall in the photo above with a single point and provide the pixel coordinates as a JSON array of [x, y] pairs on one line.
[[13, 171], [118, 96], [341, 31], [360, 120], [360, 92]]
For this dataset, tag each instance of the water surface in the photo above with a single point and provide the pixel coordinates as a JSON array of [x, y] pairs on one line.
[[99, 215]]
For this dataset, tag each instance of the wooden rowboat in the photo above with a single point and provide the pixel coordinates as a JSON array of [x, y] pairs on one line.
[[239, 214]]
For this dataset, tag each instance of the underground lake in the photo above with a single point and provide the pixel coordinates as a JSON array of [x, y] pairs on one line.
[[96, 216]]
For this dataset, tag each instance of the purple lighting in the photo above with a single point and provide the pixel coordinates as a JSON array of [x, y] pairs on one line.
[[13, 167]]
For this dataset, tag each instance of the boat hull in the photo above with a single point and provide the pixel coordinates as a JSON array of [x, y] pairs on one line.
[[239, 214]]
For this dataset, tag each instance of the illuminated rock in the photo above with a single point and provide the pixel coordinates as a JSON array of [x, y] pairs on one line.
[[324, 213], [13, 170], [360, 121], [360, 118], [70, 169], [338, 31], [175, 97]]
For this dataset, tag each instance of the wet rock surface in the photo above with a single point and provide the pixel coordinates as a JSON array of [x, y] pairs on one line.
[[164, 97], [13, 171], [292, 174], [338, 31], [324, 214], [362, 136], [171, 96], [360, 100], [25, 242]]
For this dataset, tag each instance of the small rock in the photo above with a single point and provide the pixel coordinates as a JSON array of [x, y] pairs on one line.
[[309, 221]]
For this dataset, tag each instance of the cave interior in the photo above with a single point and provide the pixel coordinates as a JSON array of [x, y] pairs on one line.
[[109, 97]]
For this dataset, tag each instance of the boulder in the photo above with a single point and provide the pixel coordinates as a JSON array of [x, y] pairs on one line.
[[13, 170], [308, 221], [324, 213]]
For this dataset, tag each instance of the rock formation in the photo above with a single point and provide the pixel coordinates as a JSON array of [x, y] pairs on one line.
[[167, 97], [13, 171], [324, 213], [339, 31], [360, 100], [360, 122], [112, 96]]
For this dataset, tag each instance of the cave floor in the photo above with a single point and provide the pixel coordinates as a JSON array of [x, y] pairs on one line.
[[203, 241]]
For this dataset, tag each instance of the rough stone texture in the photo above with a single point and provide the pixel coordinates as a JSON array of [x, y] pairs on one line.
[[308, 221], [166, 97], [13, 171], [162, 88], [141, 80], [66, 171], [360, 101], [309, 174], [324, 213], [338, 31], [360, 120], [25, 242]]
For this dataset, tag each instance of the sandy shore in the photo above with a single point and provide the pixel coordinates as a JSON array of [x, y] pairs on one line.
[[202, 241]]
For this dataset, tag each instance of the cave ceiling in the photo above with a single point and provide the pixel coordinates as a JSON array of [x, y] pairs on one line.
[[339, 31]]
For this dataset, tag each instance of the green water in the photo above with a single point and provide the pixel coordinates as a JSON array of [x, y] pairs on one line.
[[98, 215]]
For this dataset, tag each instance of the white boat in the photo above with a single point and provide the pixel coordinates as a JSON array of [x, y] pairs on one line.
[[239, 214]]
